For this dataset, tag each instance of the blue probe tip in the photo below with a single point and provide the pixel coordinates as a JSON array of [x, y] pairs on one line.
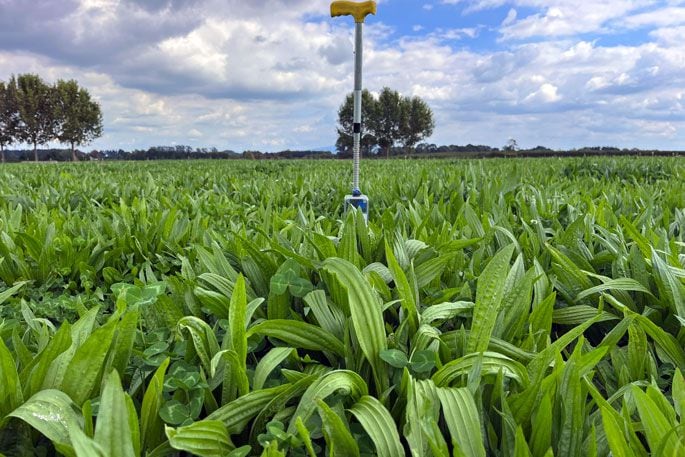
[[356, 192]]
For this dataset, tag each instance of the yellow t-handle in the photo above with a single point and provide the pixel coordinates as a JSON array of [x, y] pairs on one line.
[[358, 10]]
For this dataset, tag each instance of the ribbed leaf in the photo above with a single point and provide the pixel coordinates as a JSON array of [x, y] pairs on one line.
[[574, 315], [379, 425], [203, 339], [489, 294], [490, 363], [7, 293], [404, 289], [52, 413], [463, 421], [113, 432], [299, 335], [10, 386], [444, 311], [150, 422], [237, 317], [613, 430], [84, 371], [623, 284], [340, 381], [656, 425], [367, 316], [338, 438], [206, 438], [268, 363], [236, 414], [329, 317]]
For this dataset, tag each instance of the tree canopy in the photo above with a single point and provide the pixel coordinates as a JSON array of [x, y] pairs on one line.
[[388, 120], [36, 113]]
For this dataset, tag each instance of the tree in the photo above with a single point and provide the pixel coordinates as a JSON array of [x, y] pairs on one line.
[[346, 124], [78, 118], [387, 119], [37, 121], [9, 115], [416, 122]]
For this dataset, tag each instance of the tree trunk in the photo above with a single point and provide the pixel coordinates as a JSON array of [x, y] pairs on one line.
[[2, 153], [387, 152], [35, 151], [73, 153]]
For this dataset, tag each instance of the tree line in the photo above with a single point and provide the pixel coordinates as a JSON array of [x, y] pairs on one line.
[[37, 113], [388, 120]]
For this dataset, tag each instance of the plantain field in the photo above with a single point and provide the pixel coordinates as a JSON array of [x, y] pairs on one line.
[[505, 308]]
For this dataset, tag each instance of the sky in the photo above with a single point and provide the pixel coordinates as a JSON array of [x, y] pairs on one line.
[[270, 75]]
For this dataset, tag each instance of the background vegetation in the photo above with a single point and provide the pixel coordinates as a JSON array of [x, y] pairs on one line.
[[35, 113], [503, 307]]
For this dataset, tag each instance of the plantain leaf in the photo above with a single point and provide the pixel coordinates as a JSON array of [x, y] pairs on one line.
[[10, 386], [53, 414], [150, 422], [340, 381], [379, 425], [338, 437], [463, 420], [367, 316], [205, 438], [84, 372], [299, 335], [237, 413], [112, 431], [489, 294], [268, 363]]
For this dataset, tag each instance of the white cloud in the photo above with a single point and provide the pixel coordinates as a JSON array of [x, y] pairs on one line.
[[270, 74]]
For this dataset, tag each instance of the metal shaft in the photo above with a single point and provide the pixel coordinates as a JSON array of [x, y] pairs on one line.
[[357, 107]]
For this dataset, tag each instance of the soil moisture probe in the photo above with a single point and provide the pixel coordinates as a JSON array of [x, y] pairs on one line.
[[358, 10]]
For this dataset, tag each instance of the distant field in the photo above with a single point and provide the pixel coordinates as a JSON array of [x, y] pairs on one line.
[[504, 307]]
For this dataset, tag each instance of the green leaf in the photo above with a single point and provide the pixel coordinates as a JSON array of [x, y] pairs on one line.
[[491, 363], [84, 371], [463, 420], [489, 293], [10, 386], [306, 438], [445, 311], [236, 320], [623, 284], [329, 316], [237, 413], [656, 425], [112, 431], [52, 413], [337, 435], [574, 315], [342, 382], [299, 335], [174, 412], [379, 425], [367, 316], [395, 358], [405, 291], [150, 423], [422, 361], [613, 430], [7, 293], [203, 339], [206, 438], [268, 363]]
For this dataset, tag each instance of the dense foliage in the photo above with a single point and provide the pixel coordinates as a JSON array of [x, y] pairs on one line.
[[387, 120], [36, 113], [504, 307]]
